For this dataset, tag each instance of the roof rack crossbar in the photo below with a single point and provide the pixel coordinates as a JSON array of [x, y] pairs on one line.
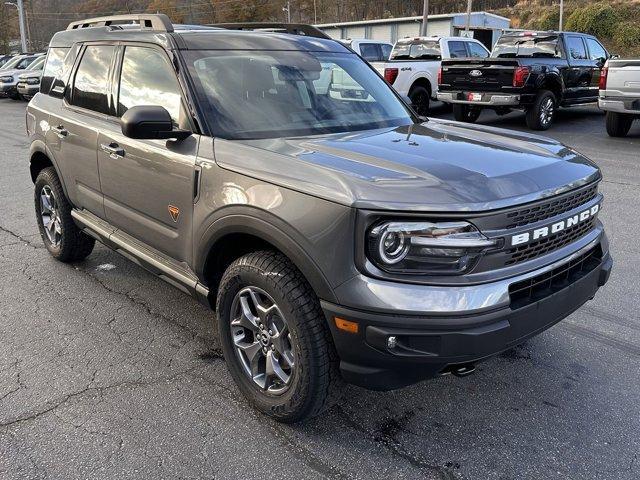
[[149, 21], [291, 28]]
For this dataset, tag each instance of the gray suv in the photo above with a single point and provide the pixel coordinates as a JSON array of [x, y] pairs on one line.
[[271, 173]]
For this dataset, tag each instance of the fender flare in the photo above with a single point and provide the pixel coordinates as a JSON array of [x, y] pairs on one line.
[[273, 230], [38, 146]]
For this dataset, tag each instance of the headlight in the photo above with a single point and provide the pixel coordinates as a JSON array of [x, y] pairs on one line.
[[33, 81], [6, 79], [442, 248]]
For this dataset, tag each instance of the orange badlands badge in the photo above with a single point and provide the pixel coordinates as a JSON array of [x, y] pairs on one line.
[[174, 212]]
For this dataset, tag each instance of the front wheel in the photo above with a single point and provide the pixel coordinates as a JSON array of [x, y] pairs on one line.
[[62, 238], [618, 124], [275, 339], [465, 113], [543, 111]]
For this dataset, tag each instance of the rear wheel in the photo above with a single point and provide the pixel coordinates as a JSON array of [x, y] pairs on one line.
[[465, 113], [618, 124], [275, 339], [420, 99], [62, 238], [543, 111]]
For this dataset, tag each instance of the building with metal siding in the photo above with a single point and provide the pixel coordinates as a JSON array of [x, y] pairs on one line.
[[486, 27]]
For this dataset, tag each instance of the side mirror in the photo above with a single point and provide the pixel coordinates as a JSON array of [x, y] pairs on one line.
[[150, 122], [614, 56]]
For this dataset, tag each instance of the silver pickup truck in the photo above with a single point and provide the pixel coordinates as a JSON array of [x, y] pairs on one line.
[[620, 95]]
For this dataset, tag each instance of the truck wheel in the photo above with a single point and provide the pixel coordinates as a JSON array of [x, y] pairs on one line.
[[275, 338], [465, 113], [618, 124], [543, 111], [62, 238], [420, 98]]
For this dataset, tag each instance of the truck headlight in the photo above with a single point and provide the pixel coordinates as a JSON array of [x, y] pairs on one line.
[[435, 248], [6, 79], [33, 81]]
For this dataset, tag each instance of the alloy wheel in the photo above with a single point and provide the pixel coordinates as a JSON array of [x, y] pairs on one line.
[[546, 111], [262, 340], [50, 216]]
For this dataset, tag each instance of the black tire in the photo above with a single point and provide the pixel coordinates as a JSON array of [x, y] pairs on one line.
[[465, 113], [73, 245], [420, 99], [618, 124], [542, 113], [314, 384]]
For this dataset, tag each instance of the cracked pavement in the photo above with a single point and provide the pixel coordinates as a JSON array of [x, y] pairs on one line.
[[108, 372]]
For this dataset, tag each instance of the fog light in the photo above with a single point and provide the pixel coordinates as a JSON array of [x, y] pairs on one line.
[[392, 342]]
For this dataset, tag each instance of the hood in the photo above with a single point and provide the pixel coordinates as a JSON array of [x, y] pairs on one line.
[[435, 166]]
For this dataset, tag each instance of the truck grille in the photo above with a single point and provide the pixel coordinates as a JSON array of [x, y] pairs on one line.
[[550, 208], [548, 244], [534, 289]]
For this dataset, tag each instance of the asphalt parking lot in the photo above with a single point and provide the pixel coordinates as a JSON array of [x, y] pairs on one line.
[[108, 372]]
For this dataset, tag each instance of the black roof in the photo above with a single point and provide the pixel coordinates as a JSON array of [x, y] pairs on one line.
[[158, 29]]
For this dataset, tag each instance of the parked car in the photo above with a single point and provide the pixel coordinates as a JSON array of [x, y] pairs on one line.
[[4, 59], [336, 237], [532, 71], [9, 77], [620, 95], [413, 66], [29, 83], [375, 52]]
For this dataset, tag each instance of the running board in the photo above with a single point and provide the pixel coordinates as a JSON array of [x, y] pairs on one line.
[[152, 261]]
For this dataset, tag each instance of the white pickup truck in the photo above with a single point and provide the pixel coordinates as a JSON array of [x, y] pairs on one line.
[[413, 66], [620, 95]]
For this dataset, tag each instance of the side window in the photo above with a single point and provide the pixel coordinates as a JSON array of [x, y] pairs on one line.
[[91, 84], [386, 51], [147, 78], [370, 52], [476, 50], [457, 49], [596, 51], [575, 45]]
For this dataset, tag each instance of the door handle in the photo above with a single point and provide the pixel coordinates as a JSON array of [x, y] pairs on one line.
[[113, 149], [60, 131]]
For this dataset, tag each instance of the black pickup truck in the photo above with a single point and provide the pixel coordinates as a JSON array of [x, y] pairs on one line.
[[532, 71]]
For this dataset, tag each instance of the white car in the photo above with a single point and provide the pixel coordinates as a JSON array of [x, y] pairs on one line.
[[9, 75], [414, 64], [620, 95]]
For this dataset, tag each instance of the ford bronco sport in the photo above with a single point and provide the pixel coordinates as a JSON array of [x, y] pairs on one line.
[[336, 235]]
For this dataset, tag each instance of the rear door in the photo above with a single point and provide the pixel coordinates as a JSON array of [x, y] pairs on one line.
[[579, 76], [148, 185], [75, 121]]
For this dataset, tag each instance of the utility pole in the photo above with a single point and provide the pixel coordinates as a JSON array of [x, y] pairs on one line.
[[561, 14], [288, 10], [23, 37], [468, 24], [425, 18], [315, 12]]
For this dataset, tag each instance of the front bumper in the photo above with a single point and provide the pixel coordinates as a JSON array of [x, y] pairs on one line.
[[27, 90], [7, 89], [620, 105], [429, 344], [487, 99]]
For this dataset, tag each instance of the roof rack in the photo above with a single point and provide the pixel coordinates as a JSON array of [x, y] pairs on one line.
[[157, 21], [291, 28]]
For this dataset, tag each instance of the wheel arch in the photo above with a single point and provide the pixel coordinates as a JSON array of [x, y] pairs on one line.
[[553, 83], [238, 233], [422, 82], [39, 159]]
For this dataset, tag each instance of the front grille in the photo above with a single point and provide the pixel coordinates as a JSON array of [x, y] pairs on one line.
[[548, 244], [536, 288], [551, 208]]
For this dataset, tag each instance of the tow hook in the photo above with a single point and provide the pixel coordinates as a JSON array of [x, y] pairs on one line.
[[459, 370]]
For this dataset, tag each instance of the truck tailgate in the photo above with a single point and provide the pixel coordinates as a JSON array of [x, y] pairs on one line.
[[489, 74], [624, 77]]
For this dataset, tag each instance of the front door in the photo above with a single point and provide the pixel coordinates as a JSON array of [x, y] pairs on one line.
[[148, 184]]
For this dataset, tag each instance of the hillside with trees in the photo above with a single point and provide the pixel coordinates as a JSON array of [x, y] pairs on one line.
[[616, 22]]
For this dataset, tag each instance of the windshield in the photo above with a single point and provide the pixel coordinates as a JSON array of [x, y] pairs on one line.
[[416, 49], [527, 46], [11, 63], [269, 94]]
